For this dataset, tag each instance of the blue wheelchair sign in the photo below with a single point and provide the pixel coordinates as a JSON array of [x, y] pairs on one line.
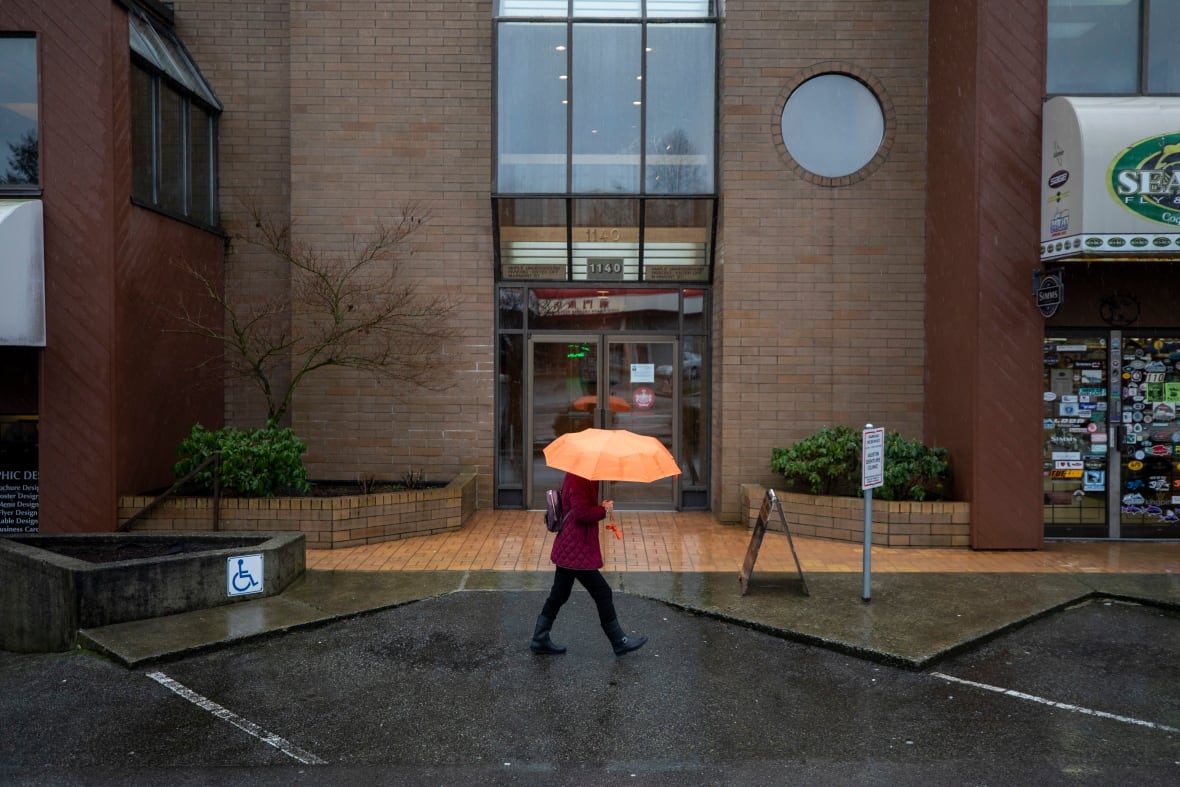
[[243, 575]]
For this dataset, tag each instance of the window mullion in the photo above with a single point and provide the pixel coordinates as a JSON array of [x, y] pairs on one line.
[[157, 144], [569, 103], [1144, 30], [643, 111]]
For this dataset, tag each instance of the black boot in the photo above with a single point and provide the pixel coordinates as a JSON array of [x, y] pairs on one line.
[[621, 642], [541, 642]]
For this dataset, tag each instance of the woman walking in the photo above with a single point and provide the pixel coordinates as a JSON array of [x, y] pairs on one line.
[[577, 556]]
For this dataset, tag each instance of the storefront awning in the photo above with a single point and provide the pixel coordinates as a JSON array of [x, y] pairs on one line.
[[1110, 186], [22, 274]]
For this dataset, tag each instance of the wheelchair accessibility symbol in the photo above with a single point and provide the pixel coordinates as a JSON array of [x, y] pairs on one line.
[[243, 575]]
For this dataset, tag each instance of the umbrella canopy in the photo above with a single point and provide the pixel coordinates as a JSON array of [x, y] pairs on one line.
[[611, 455], [617, 404]]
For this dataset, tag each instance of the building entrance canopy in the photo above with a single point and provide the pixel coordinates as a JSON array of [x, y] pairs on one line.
[[22, 274], [1110, 186]]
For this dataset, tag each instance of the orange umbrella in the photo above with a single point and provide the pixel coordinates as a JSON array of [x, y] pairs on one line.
[[611, 455], [617, 404]]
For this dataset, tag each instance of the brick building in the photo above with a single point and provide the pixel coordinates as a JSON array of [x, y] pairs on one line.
[[743, 221]]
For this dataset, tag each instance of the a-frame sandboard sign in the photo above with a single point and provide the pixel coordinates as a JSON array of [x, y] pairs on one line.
[[768, 502]]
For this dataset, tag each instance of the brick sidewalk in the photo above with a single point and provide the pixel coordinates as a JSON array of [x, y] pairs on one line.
[[696, 541]]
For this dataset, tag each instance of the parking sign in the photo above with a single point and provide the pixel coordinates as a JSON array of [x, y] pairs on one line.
[[243, 575], [872, 453]]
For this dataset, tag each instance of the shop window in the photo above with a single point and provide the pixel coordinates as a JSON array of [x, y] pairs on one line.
[[173, 127], [19, 150], [1113, 48]]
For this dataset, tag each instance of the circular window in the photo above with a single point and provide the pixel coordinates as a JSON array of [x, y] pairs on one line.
[[833, 125]]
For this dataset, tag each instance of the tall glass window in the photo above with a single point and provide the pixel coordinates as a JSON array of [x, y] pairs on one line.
[[1113, 47], [680, 81], [143, 135], [533, 83], [171, 151], [605, 97], [200, 165], [19, 150]]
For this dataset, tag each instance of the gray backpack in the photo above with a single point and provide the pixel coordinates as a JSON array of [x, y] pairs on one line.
[[554, 516]]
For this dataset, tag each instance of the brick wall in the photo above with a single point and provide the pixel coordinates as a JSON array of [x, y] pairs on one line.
[[345, 115], [819, 317], [987, 79], [327, 522], [822, 316], [243, 50], [895, 523], [115, 392]]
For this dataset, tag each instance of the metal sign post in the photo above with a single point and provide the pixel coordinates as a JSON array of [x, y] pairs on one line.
[[872, 475]]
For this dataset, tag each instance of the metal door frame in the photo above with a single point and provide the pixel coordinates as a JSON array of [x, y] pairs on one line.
[[1114, 434], [602, 341]]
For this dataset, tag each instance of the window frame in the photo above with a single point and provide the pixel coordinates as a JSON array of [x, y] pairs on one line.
[[557, 250], [172, 189], [572, 153], [1141, 65], [29, 189]]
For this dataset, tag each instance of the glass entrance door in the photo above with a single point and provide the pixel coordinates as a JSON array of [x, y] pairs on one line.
[[582, 381], [643, 374], [1149, 437]]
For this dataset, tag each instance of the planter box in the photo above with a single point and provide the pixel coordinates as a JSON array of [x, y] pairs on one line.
[[895, 524], [58, 584], [327, 522]]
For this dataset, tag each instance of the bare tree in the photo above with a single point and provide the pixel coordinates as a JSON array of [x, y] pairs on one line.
[[352, 308]]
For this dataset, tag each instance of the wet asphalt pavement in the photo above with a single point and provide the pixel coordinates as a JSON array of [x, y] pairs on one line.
[[443, 690]]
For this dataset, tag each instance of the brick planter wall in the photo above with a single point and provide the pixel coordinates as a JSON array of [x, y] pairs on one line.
[[327, 522], [895, 524]]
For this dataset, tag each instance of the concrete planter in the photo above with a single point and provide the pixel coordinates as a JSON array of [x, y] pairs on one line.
[[327, 522], [895, 524], [56, 585]]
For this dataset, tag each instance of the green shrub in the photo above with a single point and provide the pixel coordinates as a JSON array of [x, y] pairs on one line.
[[914, 471], [828, 463], [825, 463], [255, 463]]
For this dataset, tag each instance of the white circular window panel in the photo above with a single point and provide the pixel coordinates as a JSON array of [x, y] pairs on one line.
[[833, 125]]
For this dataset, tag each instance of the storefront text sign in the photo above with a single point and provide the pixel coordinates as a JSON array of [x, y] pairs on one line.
[[19, 501], [1050, 294]]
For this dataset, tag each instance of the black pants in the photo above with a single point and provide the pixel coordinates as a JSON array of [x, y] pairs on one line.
[[592, 580]]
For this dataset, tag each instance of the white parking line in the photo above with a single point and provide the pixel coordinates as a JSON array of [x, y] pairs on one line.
[[1062, 705], [250, 727]]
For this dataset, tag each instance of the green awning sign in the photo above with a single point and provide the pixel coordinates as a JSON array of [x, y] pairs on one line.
[[1145, 178]]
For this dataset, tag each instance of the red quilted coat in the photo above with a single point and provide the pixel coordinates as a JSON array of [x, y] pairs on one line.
[[576, 546]]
